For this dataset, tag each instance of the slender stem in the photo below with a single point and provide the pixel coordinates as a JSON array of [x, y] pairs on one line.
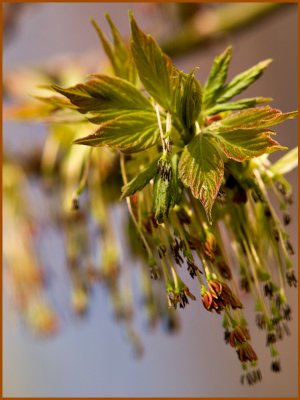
[[162, 137], [273, 213], [166, 274], [85, 173], [125, 181]]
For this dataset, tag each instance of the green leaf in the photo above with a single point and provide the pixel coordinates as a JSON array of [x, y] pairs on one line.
[[167, 192], [161, 197], [118, 53], [175, 184], [243, 144], [242, 81], [216, 78], [155, 68], [201, 168], [141, 180], [286, 163], [105, 98], [188, 99], [237, 105], [129, 133], [252, 118]]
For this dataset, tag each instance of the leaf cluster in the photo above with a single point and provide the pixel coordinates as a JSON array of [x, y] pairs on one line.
[[150, 105]]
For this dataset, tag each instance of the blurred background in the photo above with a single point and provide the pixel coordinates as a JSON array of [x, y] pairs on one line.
[[89, 357]]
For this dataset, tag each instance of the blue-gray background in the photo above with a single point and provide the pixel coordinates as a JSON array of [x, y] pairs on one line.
[[90, 357]]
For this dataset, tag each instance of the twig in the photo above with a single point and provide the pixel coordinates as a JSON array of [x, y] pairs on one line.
[[212, 24]]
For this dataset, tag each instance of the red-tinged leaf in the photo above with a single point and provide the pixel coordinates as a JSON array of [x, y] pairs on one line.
[[241, 145], [252, 118], [105, 98], [201, 168], [237, 105]]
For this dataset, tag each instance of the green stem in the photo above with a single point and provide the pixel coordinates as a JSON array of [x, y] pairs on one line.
[[125, 181], [85, 173], [273, 213]]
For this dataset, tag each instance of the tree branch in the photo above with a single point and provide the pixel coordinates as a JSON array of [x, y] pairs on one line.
[[208, 25]]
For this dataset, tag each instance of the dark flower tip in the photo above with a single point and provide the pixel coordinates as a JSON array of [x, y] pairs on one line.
[[291, 278], [271, 338], [289, 248], [192, 268], [176, 248], [246, 353], [239, 335], [269, 289], [219, 296], [154, 273], [224, 294], [286, 219], [175, 297], [287, 312], [260, 320], [226, 336], [251, 377], [245, 284], [75, 204], [224, 270], [165, 169], [275, 366]]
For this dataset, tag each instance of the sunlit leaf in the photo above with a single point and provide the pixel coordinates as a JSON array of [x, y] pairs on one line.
[[105, 98], [188, 99], [201, 168], [237, 105], [161, 198], [141, 180], [155, 68], [252, 118], [216, 78], [243, 144], [242, 81], [130, 133], [175, 184], [118, 52]]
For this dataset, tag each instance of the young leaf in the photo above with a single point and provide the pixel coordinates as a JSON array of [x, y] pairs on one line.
[[243, 144], [286, 163], [188, 99], [236, 105], [242, 81], [118, 53], [201, 168], [155, 68], [216, 78], [141, 180], [252, 118], [105, 97], [129, 133], [161, 197], [175, 184]]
